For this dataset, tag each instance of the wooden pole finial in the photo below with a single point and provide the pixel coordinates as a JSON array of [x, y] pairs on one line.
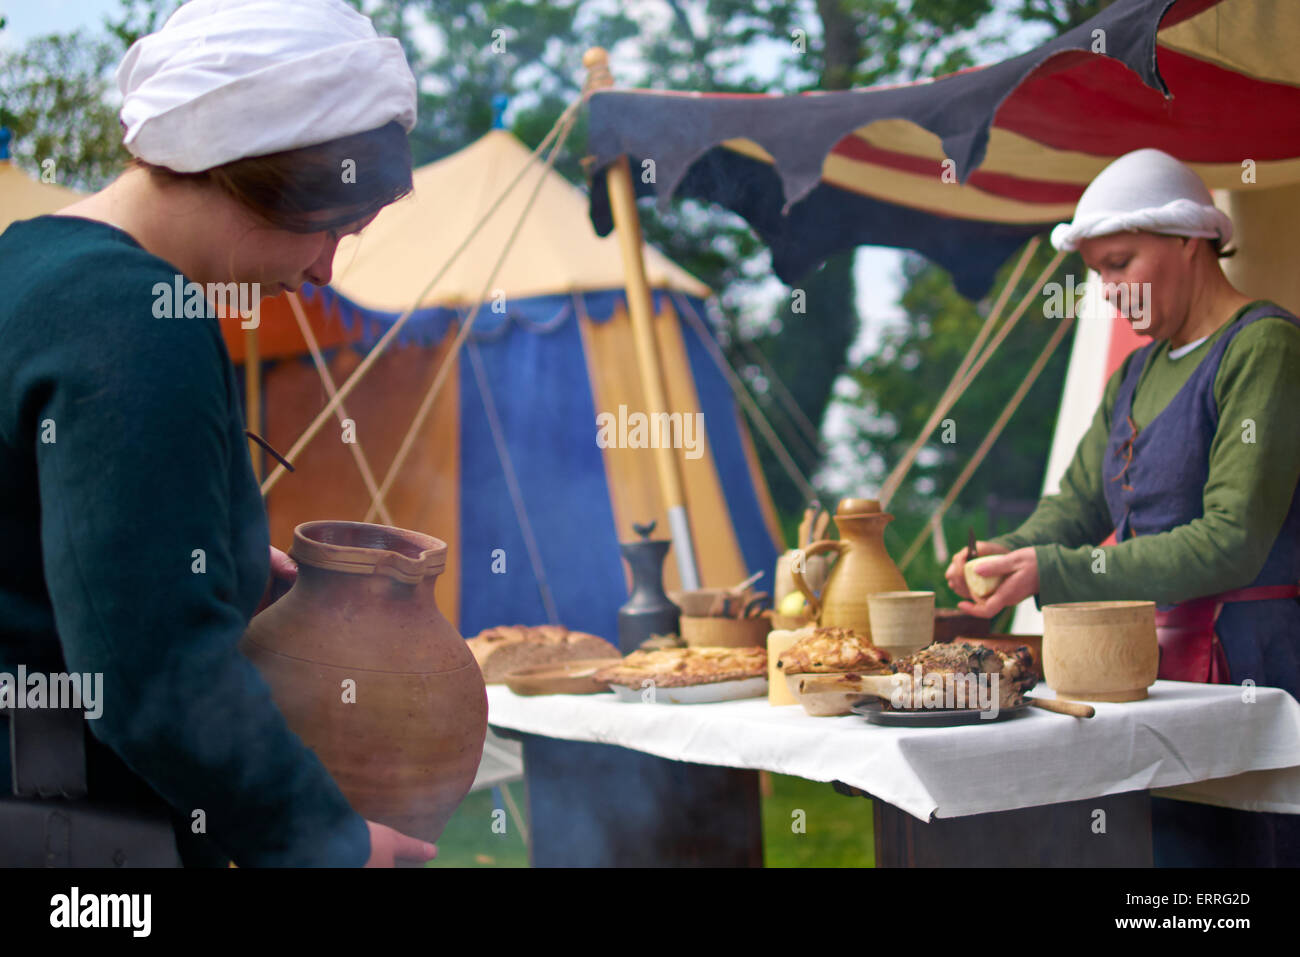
[[596, 60]]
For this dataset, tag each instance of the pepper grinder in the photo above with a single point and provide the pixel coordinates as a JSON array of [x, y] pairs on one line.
[[648, 610]]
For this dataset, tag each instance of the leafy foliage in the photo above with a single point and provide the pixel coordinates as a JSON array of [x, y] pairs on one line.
[[55, 104]]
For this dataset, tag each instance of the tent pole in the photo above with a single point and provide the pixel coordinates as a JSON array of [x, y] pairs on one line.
[[627, 227], [253, 396]]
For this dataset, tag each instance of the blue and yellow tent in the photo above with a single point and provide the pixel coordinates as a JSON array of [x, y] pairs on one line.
[[506, 467]]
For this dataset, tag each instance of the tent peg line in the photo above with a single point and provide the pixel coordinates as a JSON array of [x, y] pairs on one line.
[[449, 361], [764, 427], [810, 435], [379, 347], [952, 395], [950, 392], [1035, 370], [512, 484], [327, 380]]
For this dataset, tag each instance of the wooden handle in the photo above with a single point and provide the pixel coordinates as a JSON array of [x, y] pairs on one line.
[[1073, 708], [796, 572], [882, 686]]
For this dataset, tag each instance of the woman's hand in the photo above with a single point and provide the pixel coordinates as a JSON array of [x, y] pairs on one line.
[[1019, 573], [956, 573], [388, 846], [284, 572]]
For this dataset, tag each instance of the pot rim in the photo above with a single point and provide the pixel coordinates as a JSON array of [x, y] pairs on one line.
[[1097, 606], [423, 555]]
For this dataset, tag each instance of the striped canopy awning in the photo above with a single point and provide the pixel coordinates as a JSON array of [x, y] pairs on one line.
[[965, 168]]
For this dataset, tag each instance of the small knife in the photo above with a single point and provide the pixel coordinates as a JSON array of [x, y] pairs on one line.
[[971, 551]]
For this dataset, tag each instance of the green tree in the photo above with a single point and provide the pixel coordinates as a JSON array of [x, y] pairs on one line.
[[1060, 15], [57, 97], [55, 104]]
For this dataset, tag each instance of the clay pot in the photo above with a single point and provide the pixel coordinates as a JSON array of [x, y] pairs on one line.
[[370, 674], [863, 568], [1100, 650]]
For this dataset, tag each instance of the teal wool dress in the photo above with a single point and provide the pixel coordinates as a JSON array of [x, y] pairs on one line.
[[135, 546]]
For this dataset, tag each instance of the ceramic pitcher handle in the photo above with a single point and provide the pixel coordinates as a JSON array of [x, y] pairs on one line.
[[796, 572]]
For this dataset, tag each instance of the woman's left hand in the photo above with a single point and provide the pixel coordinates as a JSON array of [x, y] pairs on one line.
[[284, 572], [1020, 569]]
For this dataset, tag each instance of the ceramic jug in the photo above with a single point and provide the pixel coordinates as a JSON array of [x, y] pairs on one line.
[[648, 610], [370, 674], [863, 567]]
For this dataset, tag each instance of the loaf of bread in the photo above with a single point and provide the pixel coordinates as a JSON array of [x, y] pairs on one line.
[[508, 648]]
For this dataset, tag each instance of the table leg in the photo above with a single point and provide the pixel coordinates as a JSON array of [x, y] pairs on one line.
[[599, 805]]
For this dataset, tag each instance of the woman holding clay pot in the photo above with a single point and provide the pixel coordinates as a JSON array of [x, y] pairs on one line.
[[136, 539], [1192, 461]]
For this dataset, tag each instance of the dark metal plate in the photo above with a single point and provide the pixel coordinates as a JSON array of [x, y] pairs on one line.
[[876, 712]]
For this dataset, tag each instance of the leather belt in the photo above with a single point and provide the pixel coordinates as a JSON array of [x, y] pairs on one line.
[[48, 820], [1190, 649]]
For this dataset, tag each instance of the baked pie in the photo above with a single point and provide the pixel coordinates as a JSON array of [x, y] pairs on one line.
[[682, 667], [830, 650]]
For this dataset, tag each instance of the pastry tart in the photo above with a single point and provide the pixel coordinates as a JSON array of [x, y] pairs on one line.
[[683, 667], [834, 650]]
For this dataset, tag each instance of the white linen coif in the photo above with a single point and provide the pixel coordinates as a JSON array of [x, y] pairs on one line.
[[1144, 190], [228, 79]]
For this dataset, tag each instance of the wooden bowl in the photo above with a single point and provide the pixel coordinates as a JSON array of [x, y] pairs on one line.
[[1100, 650], [698, 602], [725, 632]]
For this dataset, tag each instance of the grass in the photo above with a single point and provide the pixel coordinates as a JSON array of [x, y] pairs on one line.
[[829, 830], [473, 837], [836, 830]]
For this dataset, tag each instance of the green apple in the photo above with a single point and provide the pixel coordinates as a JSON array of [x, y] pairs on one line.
[[793, 605]]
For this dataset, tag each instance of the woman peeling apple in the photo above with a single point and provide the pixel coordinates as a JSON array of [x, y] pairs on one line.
[[1191, 460], [137, 543]]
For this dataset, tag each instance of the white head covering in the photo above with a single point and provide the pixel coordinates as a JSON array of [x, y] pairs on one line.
[[1144, 190], [227, 79]]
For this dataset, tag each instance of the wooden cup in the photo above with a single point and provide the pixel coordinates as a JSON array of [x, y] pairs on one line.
[[901, 621]]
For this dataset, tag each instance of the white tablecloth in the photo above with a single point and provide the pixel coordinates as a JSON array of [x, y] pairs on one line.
[[1201, 740]]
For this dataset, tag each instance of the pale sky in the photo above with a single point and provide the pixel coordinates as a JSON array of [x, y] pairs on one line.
[[30, 18]]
